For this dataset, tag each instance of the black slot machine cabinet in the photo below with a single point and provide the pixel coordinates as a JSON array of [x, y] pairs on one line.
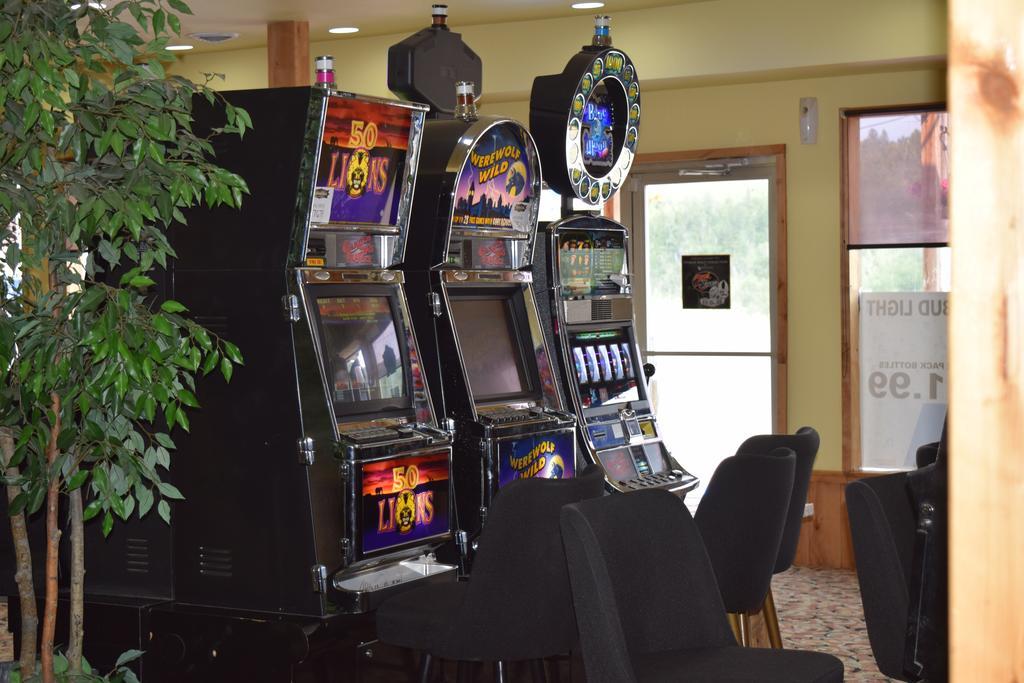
[[317, 482], [586, 122], [469, 264]]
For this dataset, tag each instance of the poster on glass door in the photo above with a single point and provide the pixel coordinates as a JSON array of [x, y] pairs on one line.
[[706, 281], [903, 389]]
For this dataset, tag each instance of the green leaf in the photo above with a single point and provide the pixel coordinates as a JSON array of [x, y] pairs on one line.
[[164, 440], [30, 117], [141, 282], [71, 76], [163, 458], [92, 509], [188, 398], [163, 508], [18, 505], [226, 369], [163, 326], [77, 479], [202, 337], [128, 656], [158, 22], [145, 498], [170, 491], [233, 353], [172, 306], [180, 6], [108, 523]]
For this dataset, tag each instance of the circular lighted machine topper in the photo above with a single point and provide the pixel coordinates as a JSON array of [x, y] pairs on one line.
[[603, 127]]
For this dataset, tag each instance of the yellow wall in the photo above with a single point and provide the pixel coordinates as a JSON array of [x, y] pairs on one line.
[[721, 74], [692, 40]]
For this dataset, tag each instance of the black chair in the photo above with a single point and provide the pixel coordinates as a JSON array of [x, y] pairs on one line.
[[647, 604], [741, 518], [517, 603], [804, 443], [882, 526]]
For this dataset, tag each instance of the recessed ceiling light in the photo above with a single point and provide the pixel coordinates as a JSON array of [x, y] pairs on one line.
[[343, 29], [179, 48], [587, 5], [213, 36], [92, 5]]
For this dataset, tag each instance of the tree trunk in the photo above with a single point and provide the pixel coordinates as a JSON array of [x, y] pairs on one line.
[[77, 628], [23, 564], [52, 550]]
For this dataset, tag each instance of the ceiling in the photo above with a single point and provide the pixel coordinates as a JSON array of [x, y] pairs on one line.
[[249, 18]]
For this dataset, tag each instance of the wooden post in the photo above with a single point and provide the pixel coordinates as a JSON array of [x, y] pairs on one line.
[[986, 340], [288, 54]]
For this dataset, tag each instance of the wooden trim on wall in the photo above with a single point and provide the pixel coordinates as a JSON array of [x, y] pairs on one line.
[[646, 158], [781, 284], [825, 539], [849, 302]]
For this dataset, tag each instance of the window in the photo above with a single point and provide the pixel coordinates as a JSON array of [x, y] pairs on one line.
[[896, 276]]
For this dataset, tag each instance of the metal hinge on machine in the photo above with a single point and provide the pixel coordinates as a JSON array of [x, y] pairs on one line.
[[346, 550], [307, 451], [291, 307], [434, 301], [319, 578]]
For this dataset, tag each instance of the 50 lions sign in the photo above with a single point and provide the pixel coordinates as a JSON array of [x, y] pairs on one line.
[[404, 500]]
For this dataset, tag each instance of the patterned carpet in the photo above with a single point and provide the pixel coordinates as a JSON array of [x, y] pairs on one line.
[[820, 609]]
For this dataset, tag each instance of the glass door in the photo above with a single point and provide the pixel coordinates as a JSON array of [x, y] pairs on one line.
[[707, 276]]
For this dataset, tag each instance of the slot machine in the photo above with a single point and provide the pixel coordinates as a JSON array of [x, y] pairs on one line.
[[469, 261], [586, 121], [318, 480], [468, 265]]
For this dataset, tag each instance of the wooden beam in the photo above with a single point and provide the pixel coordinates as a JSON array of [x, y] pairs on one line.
[[986, 340], [288, 54]]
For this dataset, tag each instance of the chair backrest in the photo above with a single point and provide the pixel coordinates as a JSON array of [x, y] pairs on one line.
[[741, 519], [804, 443], [882, 526], [641, 581], [518, 603]]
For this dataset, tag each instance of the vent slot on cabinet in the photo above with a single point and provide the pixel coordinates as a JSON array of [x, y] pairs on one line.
[[137, 555], [218, 324], [600, 309], [215, 562]]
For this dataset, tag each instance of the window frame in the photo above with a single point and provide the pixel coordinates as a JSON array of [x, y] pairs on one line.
[[849, 274]]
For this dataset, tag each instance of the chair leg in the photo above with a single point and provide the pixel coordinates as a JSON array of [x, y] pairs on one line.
[[734, 623], [537, 671], [771, 620], [745, 629], [499, 672], [425, 666]]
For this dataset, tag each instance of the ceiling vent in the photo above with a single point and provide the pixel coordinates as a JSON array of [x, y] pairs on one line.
[[214, 36]]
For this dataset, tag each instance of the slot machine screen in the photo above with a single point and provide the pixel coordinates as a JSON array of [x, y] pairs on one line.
[[363, 354], [492, 348], [606, 370], [598, 129], [618, 464], [591, 262]]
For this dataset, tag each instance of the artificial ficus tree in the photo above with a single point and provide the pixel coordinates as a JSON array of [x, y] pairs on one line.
[[97, 160]]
